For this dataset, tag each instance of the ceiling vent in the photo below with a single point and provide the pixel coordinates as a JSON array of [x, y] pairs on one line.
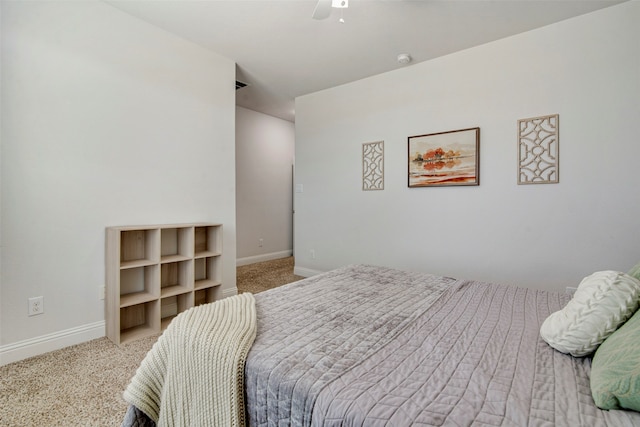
[[240, 85]]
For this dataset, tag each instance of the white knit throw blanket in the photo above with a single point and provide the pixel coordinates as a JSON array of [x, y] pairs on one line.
[[193, 375]]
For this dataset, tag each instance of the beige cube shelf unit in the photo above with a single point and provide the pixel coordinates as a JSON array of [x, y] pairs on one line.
[[155, 272]]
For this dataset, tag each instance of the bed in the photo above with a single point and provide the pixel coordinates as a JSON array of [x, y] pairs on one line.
[[373, 346]]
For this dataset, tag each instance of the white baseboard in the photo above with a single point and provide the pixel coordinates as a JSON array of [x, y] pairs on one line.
[[263, 257], [305, 272], [45, 343]]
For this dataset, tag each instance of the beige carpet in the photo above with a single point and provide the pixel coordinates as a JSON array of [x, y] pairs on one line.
[[261, 276], [82, 385]]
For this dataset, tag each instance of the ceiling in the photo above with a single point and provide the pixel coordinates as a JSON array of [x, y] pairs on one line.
[[282, 53]]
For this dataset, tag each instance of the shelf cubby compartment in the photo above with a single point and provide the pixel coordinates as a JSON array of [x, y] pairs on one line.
[[140, 320], [176, 244], [207, 272], [138, 247], [138, 285], [176, 278], [155, 272], [171, 306], [207, 295], [207, 241]]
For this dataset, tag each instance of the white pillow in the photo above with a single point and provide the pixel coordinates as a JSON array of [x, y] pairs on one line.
[[602, 302]]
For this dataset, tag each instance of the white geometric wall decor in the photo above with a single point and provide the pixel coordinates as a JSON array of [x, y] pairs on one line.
[[538, 150], [373, 166]]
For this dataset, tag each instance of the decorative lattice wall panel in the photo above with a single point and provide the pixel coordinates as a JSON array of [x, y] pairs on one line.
[[538, 150], [373, 166]]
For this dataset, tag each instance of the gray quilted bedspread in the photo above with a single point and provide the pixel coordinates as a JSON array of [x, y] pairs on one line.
[[370, 346]]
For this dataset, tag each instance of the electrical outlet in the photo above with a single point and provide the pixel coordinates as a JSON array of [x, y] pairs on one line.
[[36, 306], [260, 242], [313, 253]]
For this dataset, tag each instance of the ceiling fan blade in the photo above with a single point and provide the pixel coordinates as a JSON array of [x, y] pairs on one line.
[[322, 10]]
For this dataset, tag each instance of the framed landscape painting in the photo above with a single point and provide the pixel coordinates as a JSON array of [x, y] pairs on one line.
[[445, 158]]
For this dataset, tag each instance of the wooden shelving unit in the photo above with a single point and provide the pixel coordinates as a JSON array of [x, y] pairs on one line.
[[153, 273]]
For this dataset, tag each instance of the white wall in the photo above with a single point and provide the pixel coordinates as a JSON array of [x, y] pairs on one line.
[[546, 236], [106, 121], [264, 201]]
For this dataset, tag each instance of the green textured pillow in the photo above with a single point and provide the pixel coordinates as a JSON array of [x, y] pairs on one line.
[[615, 369], [635, 271]]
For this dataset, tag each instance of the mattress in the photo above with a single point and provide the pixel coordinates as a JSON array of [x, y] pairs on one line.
[[372, 346]]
